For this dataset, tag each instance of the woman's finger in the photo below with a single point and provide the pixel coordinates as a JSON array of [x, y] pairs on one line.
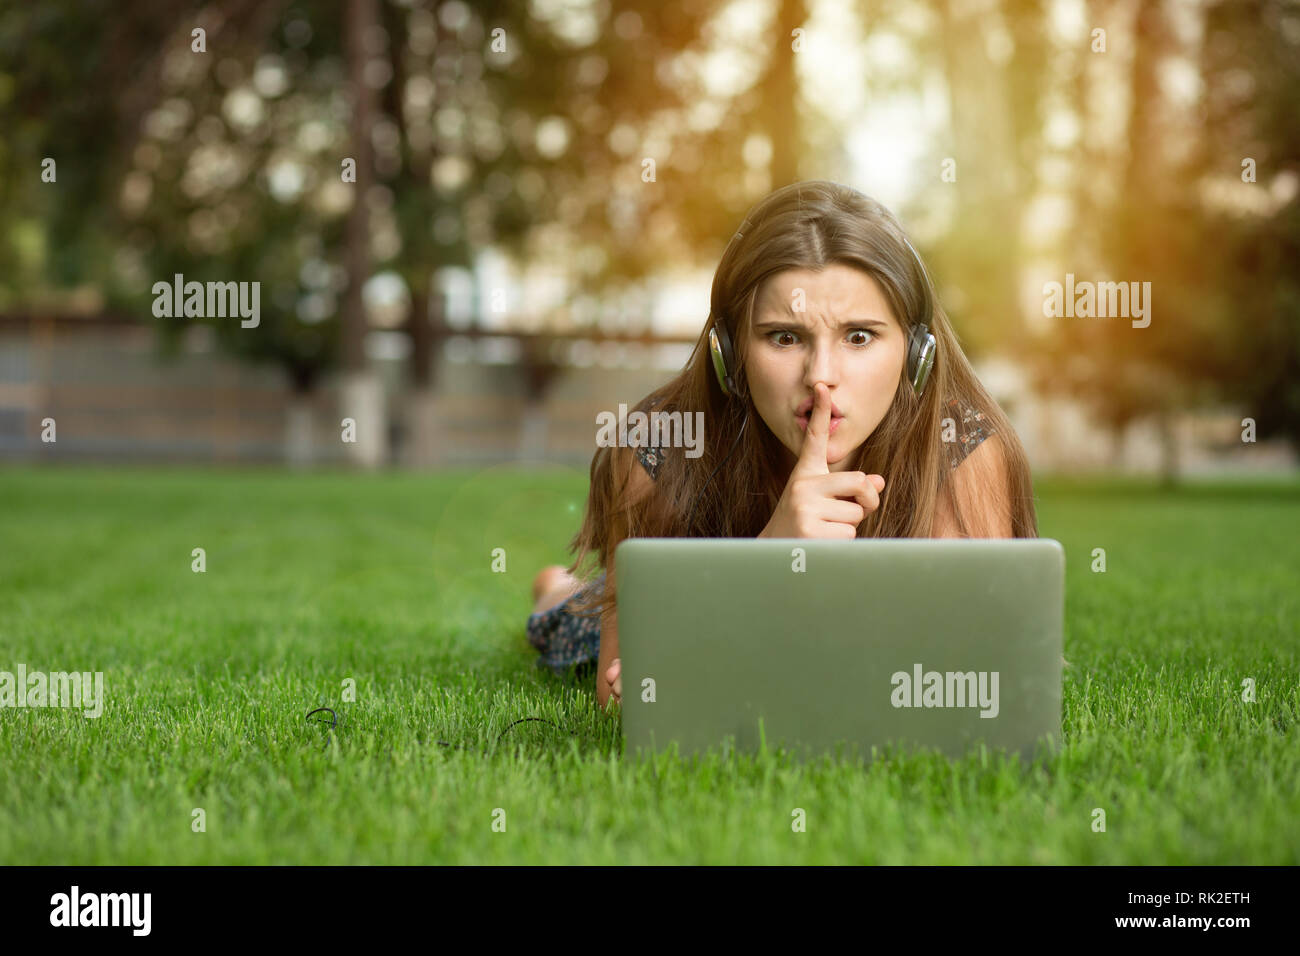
[[848, 512], [851, 484]]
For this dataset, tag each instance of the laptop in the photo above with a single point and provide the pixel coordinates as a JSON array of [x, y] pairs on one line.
[[849, 648]]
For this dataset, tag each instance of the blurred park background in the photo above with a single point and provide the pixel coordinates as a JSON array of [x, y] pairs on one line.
[[476, 225]]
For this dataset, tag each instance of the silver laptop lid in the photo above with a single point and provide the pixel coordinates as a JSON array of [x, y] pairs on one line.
[[839, 646]]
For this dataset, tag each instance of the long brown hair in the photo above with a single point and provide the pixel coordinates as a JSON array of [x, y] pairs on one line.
[[806, 225]]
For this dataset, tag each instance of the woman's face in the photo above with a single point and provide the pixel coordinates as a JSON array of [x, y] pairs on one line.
[[833, 326]]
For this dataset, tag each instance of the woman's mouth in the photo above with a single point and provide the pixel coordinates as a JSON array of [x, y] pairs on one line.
[[835, 422]]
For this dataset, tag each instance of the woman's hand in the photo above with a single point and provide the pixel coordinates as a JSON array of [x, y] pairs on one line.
[[614, 677], [813, 504]]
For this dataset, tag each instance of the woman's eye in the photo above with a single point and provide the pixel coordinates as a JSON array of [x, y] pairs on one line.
[[865, 336], [774, 337], [783, 338]]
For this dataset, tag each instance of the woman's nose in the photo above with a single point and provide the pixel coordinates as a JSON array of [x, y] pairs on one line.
[[822, 367]]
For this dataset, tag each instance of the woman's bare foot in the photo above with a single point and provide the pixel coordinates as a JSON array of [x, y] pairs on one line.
[[546, 579], [553, 585]]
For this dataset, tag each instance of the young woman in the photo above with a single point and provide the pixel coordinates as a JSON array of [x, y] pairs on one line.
[[823, 417]]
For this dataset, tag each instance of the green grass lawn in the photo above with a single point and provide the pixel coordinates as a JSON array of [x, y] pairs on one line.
[[316, 578]]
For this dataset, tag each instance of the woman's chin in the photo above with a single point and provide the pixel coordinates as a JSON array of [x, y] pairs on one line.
[[840, 460]]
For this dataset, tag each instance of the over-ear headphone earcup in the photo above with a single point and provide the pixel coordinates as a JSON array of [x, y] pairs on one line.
[[921, 347], [724, 358]]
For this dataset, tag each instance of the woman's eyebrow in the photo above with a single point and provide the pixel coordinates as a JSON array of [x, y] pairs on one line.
[[788, 322]]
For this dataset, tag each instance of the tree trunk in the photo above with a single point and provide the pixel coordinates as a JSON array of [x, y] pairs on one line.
[[983, 121], [362, 19], [1169, 457], [532, 432], [362, 392], [421, 332], [300, 431], [363, 403], [1118, 433], [781, 96]]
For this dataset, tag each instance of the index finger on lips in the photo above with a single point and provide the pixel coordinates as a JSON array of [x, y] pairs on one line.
[[812, 456]]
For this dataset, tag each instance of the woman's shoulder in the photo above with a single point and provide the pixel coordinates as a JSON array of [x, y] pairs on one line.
[[651, 459], [651, 456], [970, 426]]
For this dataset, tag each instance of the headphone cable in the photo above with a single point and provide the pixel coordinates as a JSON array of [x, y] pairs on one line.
[[690, 518], [333, 723]]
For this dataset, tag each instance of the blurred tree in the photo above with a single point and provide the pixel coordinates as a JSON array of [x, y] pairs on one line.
[[996, 127], [1122, 372], [1159, 226], [517, 129], [779, 99], [1250, 62], [68, 92], [614, 146], [590, 137], [570, 132]]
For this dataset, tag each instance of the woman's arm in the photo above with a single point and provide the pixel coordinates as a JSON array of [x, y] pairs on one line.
[[608, 646], [634, 484]]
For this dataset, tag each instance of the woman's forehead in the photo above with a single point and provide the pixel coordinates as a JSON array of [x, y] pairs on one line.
[[836, 293]]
